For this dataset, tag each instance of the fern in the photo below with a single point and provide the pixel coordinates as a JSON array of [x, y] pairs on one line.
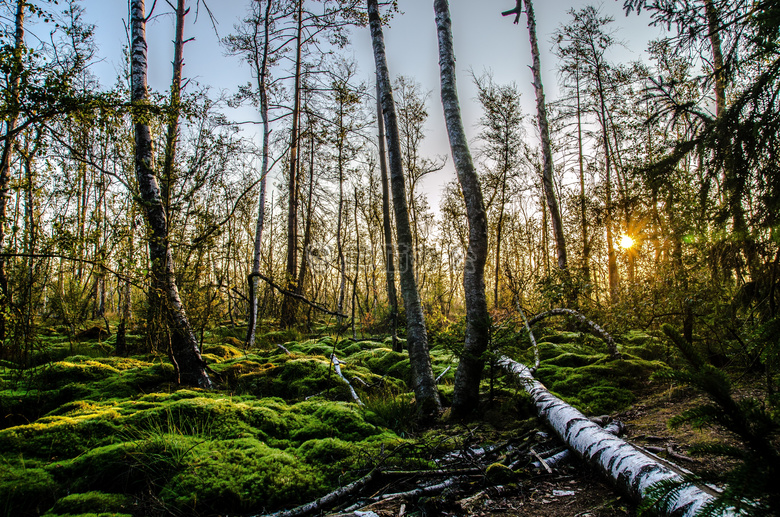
[[752, 484]]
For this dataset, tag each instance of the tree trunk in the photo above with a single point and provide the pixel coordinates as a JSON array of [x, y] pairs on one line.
[[544, 132], [184, 347], [304, 268], [392, 298], [5, 159], [339, 234], [469, 373], [583, 205], [633, 471], [426, 394], [260, 61], [289, 305]]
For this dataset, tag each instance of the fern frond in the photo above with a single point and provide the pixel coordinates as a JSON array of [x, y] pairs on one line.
[[688, 351], [698, 416], [719, 449]]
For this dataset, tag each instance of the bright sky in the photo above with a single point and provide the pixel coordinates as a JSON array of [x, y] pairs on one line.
[[484, 40]]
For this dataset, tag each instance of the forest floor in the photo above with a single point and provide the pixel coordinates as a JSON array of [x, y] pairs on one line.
[[83, 432]]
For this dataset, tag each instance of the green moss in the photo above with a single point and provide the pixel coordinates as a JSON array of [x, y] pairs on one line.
[[602, 386], [601, 400], [25, 491], [61, 436], [224, 351], [297, 378], [331, 455], [332, 419], [573, 359], [500, 474], [93, 502], [239, 475], [77, 369]]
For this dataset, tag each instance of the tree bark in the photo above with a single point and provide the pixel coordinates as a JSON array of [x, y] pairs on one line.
[[583, 204], [260, 61], [544, 133], [184, 346], [392, 298], [5, 159], [289, 305], [155, 325], [472, 361], [633, 471], [423, 381]]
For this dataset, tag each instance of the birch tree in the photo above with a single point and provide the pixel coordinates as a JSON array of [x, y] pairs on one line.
[[184, 347], [469, 372], [254, 42], [417, 339], [387, 230]]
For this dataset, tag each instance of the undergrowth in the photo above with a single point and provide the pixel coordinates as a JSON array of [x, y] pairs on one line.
[[89, 434]]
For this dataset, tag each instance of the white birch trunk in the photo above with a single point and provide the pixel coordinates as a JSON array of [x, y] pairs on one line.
[[186, 354], [633, 471], [424, 384], [469, 372], [260, 61]]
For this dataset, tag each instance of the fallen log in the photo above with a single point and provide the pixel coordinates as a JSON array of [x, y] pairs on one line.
[[630, 469]]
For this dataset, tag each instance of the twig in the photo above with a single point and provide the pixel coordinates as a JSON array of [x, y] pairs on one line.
[[297, 296], [541, 460], [423, 490], [337, 366], [328, 499], [442, 374]]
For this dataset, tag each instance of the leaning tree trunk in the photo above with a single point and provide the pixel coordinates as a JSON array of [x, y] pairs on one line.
[[184, 346], [155, 323], [544, 132], [633, 471], [392, 298], [472, 361], [426, 394]]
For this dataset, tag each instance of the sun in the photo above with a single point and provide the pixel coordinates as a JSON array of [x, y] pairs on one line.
[[626, 242]]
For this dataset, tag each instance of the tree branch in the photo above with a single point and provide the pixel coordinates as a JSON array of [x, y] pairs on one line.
[[297, 296]]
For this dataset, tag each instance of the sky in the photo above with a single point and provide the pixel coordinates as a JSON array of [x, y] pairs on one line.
[[484, 41]]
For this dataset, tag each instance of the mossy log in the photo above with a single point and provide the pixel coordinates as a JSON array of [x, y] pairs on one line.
[[633, 471], [598, 329]]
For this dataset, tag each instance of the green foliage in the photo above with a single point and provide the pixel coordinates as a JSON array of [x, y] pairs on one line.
[[751, 486]]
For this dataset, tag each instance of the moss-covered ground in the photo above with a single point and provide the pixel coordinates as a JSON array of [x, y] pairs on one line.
[[86, 433]]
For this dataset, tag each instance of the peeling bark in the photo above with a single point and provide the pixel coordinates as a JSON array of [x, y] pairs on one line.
[[184, 346], [632, 470]]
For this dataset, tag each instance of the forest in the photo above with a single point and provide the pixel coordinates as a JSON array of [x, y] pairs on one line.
[[202, 316]]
